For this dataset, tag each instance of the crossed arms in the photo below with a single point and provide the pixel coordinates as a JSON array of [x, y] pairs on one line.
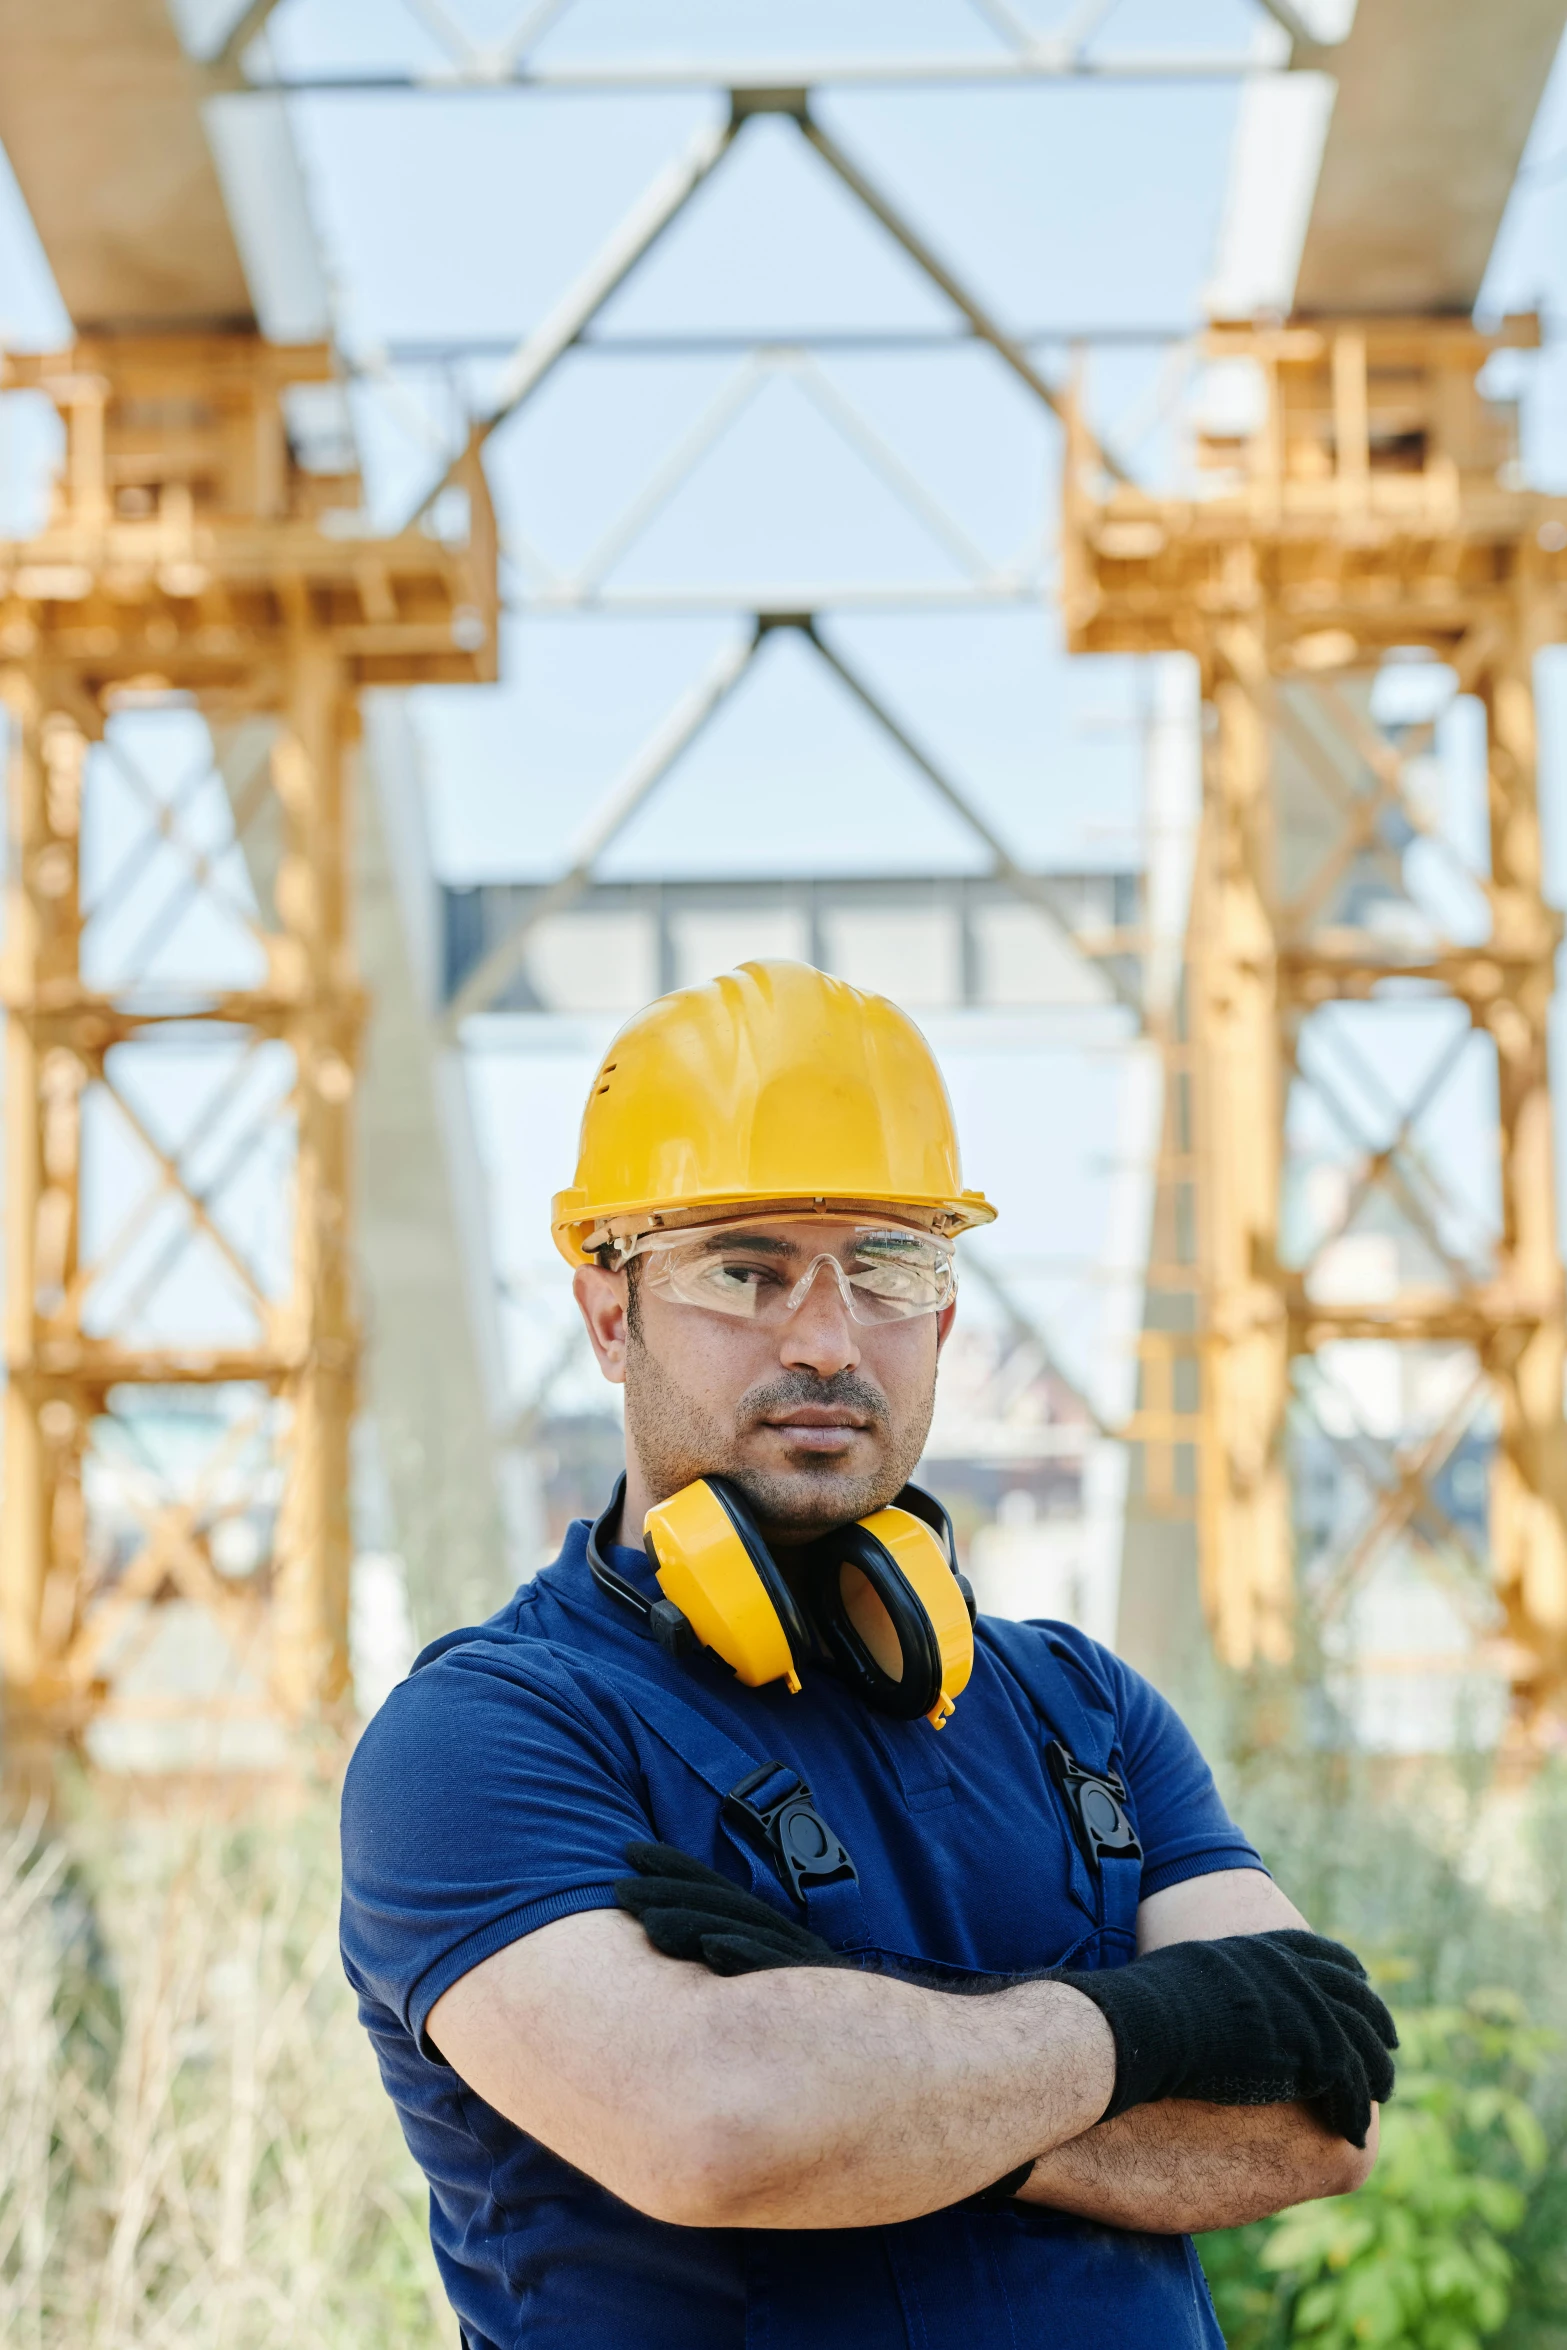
[[804, 2098]]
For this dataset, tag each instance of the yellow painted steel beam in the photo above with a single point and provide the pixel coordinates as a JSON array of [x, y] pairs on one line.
[[189, 558], [1237, 1100], [1372, 505]]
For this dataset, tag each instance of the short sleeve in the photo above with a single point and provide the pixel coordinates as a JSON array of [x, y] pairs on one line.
[[1182, 1824], [482, 1801]]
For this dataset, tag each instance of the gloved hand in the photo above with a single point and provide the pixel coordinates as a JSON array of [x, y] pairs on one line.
[[1254, 2019], [690, 1911]]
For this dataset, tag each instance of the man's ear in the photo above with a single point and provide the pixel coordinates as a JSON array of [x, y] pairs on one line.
[[601, 1301], [944, 1321]]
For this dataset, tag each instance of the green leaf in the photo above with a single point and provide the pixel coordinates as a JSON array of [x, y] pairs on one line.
[[1418, 2259], [1528, 2138]]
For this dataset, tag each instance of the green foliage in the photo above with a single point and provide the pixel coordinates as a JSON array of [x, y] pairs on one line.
[[1537, 2316], [1426, 2255]]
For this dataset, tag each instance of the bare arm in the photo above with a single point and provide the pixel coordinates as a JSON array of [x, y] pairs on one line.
[[1179, 2165], [799, 2098]]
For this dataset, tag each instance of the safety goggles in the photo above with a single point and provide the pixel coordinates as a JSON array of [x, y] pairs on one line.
[[884, 1272]]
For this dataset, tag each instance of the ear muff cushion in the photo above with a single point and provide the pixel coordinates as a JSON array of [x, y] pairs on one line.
[[920, 1685], [925, 1557]]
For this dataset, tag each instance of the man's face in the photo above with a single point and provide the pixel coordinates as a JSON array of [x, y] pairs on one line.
[[817, 1416]]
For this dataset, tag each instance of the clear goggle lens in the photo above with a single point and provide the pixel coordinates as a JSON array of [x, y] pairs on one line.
[[884, 1272]]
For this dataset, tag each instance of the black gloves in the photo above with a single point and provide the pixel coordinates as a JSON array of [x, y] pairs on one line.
[[688, 1911], [1255, 2019]]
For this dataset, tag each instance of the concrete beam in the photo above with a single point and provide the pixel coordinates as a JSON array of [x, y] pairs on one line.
[[1435, 102], [435, 1378], [100, 114]]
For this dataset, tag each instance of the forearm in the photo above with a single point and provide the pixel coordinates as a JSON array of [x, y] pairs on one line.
[[801, 2098], [1179, 2166], [868, 2101]]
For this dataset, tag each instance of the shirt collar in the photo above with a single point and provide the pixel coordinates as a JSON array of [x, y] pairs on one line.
[[573, 1577]]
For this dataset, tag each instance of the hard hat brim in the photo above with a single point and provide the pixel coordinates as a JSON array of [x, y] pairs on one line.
[[571, 1228]]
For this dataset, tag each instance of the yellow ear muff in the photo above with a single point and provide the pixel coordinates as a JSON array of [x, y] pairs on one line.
[[922, 1557], [713, 1564], [892, 1612], [723, 1589]]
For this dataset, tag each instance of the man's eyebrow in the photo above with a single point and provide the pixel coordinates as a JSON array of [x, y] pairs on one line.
[[765, 1244]]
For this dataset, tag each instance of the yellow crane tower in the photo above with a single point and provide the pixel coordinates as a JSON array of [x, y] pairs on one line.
[[203, 563], [190, 561], [1369, 511]]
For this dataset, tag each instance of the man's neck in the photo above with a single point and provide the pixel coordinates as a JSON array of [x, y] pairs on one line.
[[634, 1509]]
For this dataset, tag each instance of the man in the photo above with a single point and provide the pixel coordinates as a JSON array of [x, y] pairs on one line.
[[794, 2131]]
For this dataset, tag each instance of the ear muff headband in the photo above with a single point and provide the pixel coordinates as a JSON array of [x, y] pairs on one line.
[[713, 1564]]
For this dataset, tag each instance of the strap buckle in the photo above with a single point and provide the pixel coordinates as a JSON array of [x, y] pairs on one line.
[[1096, 1806], [776, 1808]]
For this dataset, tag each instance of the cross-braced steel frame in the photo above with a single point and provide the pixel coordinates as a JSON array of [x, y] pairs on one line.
[[1074, 51], [533, 362], [1368, 518], [184, 575]]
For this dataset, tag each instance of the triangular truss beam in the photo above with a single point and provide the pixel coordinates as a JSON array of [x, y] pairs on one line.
[[667, 746]]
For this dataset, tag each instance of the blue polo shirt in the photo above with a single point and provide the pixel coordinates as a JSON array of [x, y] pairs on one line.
[[498, 1788]]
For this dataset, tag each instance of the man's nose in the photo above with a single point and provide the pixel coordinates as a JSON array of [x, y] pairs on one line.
[[819, 1335]]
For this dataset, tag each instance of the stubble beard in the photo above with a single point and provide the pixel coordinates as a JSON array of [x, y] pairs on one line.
[[676, 1442]]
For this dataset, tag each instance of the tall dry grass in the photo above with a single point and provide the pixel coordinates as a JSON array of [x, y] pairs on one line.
[[196, 2153], [195, 2150]]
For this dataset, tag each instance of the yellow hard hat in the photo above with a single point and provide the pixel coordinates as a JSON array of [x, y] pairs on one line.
[[772, 1086]]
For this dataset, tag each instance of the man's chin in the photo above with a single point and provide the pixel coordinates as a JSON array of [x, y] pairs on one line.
[[809, 1493]]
